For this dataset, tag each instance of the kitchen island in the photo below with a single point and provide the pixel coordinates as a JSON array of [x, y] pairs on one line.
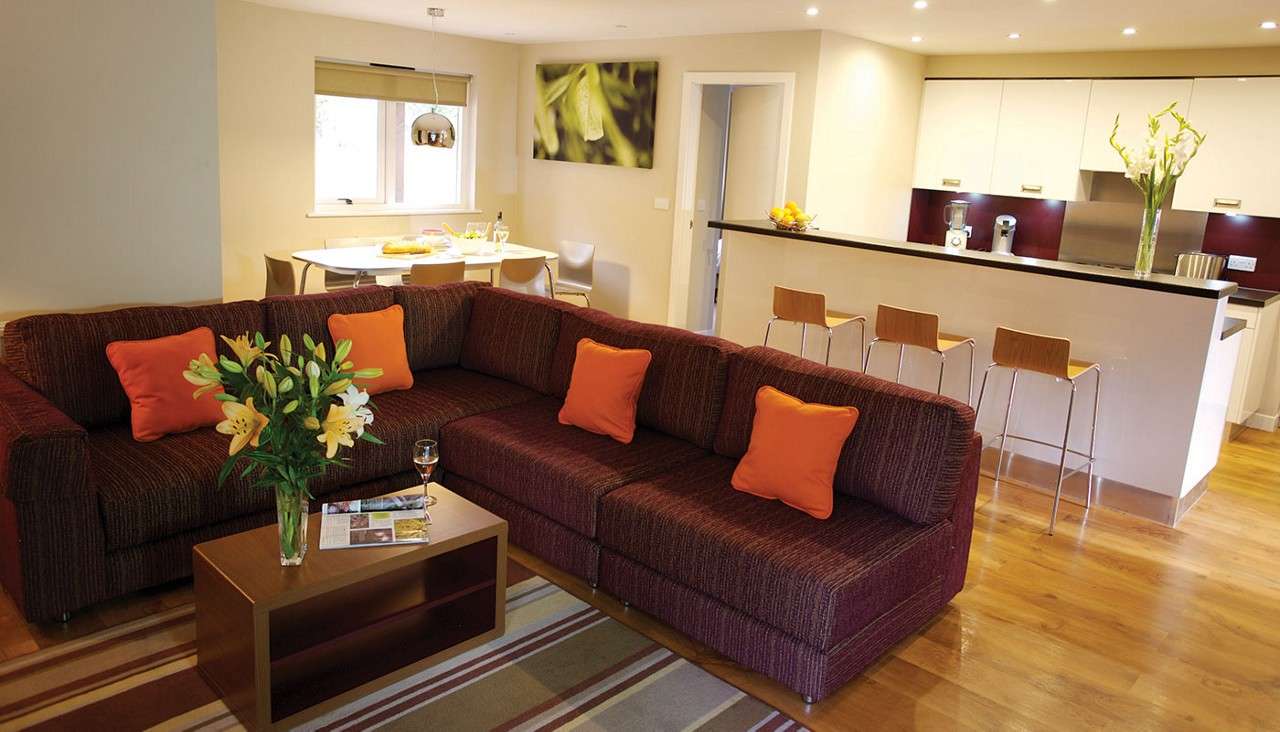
[[1164, 344]]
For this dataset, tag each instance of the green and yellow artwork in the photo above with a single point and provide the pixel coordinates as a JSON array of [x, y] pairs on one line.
[[599, 113]]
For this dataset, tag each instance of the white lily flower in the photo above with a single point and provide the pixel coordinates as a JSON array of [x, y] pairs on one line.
[[356, 400]]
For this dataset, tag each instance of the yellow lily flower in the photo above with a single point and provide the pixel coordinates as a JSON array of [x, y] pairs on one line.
[[244, 348], [243, 423], [337, 428], [202, 373]]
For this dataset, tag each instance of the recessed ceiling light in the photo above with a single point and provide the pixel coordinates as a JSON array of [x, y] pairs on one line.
[[620, 26], [1129, 31], [811, 11], [1268, 25], [920, 4], [1014, 36], [917, 39]]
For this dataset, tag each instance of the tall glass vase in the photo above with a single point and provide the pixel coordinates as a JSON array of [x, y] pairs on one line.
[[1147, 242], [291, 520]]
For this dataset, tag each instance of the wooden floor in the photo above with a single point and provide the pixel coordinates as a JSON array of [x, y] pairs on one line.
[[1115, 622]]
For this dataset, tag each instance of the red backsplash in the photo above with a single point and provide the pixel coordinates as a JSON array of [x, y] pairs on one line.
[[1039, 231], [1250, 236]]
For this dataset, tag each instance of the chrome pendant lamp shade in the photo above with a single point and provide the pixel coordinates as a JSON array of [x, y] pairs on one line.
[[433, 129]]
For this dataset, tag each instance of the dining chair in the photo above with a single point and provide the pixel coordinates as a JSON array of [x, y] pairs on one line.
[[576, 266], [526, 274], [280, 277], [334, 281], [437, 273]]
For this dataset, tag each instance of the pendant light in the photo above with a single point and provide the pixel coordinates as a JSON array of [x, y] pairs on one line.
[[433, 129]]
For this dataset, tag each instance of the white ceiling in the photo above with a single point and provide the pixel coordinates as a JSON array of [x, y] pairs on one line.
[[946, 26]]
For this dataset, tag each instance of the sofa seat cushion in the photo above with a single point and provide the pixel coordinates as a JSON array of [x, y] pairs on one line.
[[560, 471], [819, 581], [149, 491]]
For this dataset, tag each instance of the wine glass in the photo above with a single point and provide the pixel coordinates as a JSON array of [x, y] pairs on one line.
[[426, 453]]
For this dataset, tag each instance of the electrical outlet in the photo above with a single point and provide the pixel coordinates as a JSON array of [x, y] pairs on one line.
[[1242, 264]]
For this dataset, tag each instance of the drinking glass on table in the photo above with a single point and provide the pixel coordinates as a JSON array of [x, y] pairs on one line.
[[426, 453]]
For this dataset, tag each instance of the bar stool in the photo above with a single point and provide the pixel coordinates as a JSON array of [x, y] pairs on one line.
[[810, 308], [915, 328], [1050, 356]]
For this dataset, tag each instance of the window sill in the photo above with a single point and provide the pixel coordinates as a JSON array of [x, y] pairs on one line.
[[355, 211]]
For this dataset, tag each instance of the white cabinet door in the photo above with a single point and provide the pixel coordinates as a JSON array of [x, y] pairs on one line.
[[956, 142], [1236, 170], [1039, 140], [1133, 100]]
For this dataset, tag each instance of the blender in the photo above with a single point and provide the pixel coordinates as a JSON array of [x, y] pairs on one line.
[[955, 214]]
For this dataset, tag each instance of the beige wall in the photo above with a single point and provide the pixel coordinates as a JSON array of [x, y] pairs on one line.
[[864, 136], [266, 119], [108, 155], [1196, 62], [614, 207]]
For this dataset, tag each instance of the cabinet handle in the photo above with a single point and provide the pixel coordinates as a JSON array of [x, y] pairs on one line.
[[1026, 188], [951, 182], [1226, 202]]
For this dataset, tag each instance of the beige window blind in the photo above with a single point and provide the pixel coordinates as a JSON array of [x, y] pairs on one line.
[[389, 84]]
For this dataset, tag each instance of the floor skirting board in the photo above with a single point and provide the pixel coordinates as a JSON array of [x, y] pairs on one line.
[[1042, 476]]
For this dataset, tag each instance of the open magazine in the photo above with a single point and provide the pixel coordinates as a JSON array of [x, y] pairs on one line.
[[381, 521]]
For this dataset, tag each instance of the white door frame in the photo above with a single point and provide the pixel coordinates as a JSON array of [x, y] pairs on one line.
[[687, 173]]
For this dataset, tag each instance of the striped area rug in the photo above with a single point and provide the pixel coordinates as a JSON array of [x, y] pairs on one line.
[[561, 664]]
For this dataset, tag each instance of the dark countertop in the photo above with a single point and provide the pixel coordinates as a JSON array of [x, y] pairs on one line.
[[1231, 326], [1216, 289], [1254, 297]]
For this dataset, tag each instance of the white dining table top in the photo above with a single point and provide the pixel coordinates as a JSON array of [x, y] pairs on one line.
[[369, 260]]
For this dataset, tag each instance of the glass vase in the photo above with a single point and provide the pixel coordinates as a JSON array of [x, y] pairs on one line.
[[291, 520], [1147, 242]]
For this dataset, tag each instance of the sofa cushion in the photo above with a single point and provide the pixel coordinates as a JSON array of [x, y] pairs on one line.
[[512, 335], [817, 580], [684, 387], [64, 357], [435, 322], [295, 315], [149, 491], [525, 454], [377, 341], [907, 453]]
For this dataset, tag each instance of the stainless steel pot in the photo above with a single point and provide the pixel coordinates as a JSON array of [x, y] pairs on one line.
[[1200, 265]]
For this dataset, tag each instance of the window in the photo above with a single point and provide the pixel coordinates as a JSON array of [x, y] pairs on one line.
[[364, 153], [366, 162]]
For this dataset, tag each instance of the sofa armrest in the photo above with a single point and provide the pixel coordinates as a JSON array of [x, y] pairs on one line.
[[43, 453], [962, 518]]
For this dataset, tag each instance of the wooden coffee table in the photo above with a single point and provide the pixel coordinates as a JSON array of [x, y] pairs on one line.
[[283, 645]]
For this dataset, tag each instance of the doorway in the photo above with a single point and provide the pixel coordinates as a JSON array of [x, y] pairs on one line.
[[734, 134]]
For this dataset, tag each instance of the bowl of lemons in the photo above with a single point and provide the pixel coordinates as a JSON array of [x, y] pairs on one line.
[[790, 217]]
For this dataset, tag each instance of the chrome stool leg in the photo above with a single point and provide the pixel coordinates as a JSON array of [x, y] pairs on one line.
[[942, 369], [866, 362], [972, 349], [1062, 462], [804, 336], [1004, 432], [983, 390], [827, 360], [1093, 434], [902, 351], [768, 328], [862, 342]]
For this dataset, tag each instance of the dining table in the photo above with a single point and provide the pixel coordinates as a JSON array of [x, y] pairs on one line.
[[360, 262]]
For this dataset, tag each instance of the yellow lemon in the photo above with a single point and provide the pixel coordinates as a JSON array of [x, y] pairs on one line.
[[776, 213], [792, 206], [804, 218]]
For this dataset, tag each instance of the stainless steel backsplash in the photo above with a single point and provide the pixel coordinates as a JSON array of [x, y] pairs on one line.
[[1104, 230]]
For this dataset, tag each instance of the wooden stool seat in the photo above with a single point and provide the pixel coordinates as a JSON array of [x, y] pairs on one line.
[[948, 341], [810, 308], [1019, 351], [918, 329]]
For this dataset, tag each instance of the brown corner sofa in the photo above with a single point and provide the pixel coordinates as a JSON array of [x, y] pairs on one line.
[[87, 513]]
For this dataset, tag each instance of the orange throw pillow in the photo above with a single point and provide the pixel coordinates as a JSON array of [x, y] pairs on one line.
[[159, 397], [604, 388], [793, 451], [377, 341]]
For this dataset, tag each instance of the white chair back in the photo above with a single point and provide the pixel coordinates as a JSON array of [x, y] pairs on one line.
[[576, 265], [525, 274]]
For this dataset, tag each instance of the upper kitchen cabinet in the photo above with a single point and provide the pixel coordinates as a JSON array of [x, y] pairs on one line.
[[1038, 144], [1133, 100], [956, 143], [1235, 171]]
